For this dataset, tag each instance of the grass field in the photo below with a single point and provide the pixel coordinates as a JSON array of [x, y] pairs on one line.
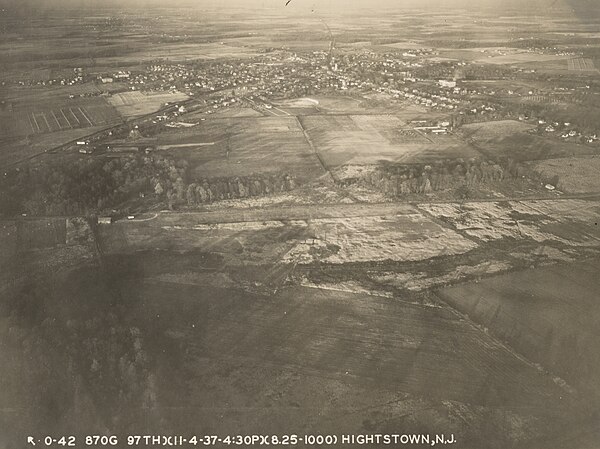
[[512, 138], [369, 139], [245, 146], [576, 175], [133, 104], [21, 149]]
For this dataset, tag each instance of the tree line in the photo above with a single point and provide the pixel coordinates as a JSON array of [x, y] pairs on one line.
[[88, 186], [396, 180]]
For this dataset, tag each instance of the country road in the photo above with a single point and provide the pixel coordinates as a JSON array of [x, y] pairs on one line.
[[314, 211], [308, 211]]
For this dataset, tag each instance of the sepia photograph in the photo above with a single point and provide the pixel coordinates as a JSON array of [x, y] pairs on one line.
[[300, 224]]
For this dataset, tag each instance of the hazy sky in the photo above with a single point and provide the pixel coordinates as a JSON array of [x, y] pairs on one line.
[[324, 4], [581, 8]]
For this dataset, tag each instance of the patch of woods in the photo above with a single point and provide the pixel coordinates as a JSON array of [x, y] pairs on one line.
[[78, 361], [92, 186], [461, 176], [208, 190]]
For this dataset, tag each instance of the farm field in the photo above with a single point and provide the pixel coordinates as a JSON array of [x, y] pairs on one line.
[[488, 131], [320, 104], [520, 58], [52, 116], [33, 95], [581, 65], [547, 314], [369, 139], [21, 149], [229, 112], [134, 104], [244, 146], [184, 52], [355, 104]]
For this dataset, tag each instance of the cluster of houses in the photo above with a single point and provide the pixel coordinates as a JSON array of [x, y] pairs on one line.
[[118, 76], [76, 78]]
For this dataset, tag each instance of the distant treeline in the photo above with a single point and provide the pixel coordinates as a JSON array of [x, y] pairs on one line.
[[91, 186], [474, 43]]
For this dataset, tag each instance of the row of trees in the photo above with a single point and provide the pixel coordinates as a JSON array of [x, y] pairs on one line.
[[208, 190], [397, 180]]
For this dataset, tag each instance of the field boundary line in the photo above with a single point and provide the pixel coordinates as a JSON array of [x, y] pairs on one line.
[[73, 114], [314, 149], [66, 119], [35, 121], [46, 120], [500, 344], [56, 120], [85, 116], [30, 123]]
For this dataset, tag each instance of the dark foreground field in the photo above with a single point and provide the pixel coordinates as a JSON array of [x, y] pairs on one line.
[[548, 314], [161, 341]]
